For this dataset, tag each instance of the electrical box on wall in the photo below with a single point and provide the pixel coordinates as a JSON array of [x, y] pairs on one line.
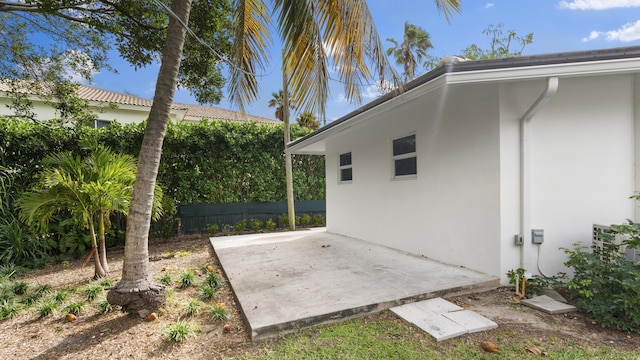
[[537, 236], [518, 239]]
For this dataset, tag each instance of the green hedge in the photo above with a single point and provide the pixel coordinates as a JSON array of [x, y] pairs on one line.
[[209, 162]]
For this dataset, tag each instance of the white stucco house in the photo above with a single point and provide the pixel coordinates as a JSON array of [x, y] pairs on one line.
[[475, 157], [126, 108]]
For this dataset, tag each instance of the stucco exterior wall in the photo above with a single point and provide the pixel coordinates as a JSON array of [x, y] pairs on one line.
[[451, 211], [582, 164]]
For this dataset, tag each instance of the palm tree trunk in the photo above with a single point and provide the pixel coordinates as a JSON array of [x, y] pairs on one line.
[[102, 250], [136, 292], [99, 270]]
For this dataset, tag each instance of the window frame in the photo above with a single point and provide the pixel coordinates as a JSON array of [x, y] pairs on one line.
[[404, 156], [348, 166]]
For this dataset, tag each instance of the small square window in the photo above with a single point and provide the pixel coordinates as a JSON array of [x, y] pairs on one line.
[[345, 167], [404, 156]]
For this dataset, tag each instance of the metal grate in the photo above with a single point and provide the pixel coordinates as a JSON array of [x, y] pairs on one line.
[[605, 246]]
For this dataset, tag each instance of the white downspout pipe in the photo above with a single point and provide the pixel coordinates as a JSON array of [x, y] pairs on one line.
[[525, 171]]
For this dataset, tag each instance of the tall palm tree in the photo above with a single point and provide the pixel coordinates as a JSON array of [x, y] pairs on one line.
[[277, 101], [308, 119], [90, 189], [308, 28], [413, 48]]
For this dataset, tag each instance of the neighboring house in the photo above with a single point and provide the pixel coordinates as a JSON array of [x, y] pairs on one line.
[[476, 155], [129, 109]]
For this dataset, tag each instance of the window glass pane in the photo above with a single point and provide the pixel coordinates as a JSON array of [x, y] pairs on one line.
[[404, 145], [346, 174], [345, 159], [407, 166], [102, 123]]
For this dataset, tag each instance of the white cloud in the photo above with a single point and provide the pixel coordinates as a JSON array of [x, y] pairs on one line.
[[597, 4], [628, 32], [594, 35], [489, 5]]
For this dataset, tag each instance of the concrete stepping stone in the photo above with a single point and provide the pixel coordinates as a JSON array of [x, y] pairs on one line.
[[548, 305], [472, 321], [442, 319]]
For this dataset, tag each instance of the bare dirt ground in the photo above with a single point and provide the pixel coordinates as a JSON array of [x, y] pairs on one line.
[[116, 335]]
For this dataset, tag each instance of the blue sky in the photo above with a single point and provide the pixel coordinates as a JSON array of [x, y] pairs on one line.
[[558, 26]]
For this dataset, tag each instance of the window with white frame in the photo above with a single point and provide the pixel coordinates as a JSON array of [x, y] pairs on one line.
[[100, 123], [405, 162], [345, 167]]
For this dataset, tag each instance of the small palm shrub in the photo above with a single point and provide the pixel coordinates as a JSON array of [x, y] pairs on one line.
[[43, 289], [180, 331], [9, 309], [269, 225], [255, 224], [212, 279], [47, 308], [240, 226], [318, 220], [60, 296], [187, 278], [219, 311], [106, 282], [20, 287], [283, 221], [76, 307], [93, 291], [213, 229], [165, 279], [192, 307], [206, 292], [104, 306]]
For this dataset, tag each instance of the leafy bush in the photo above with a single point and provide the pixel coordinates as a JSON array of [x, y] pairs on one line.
[[607, 285], [255, 224], [318, 220], [212, 229], [283, 221], [92, 291], [269, 225], [76, 307], [166, 279], [305, 220], [240, 226], [47, 308]]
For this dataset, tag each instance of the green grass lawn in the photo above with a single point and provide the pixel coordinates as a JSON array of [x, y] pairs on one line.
[[386, 337]]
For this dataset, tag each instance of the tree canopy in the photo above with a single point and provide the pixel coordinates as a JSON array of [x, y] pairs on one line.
[[54, 41]]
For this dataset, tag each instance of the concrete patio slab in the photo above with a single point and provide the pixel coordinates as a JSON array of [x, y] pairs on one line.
[[549, 305], [286, 281]]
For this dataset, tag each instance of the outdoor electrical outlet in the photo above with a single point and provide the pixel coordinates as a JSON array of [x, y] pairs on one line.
[[518, 239], [537, 236]]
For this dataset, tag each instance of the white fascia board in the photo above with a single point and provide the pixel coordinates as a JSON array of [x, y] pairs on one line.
[[316, 144], [603, 67]]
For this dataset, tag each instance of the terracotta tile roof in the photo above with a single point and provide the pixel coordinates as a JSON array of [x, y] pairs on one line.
[[194, 112]]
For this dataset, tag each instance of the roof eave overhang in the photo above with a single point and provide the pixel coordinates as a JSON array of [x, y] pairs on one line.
[[459, 74]]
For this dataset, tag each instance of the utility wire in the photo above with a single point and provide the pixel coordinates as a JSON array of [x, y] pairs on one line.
[[201, 41]]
